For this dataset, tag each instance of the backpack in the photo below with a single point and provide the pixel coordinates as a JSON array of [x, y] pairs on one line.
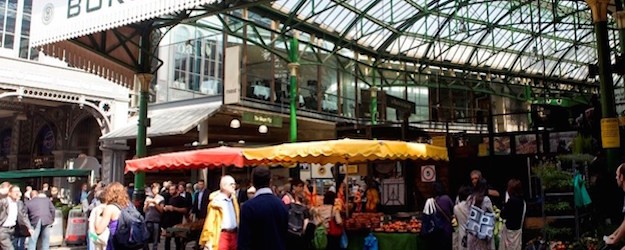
[[132, 232], [320, 239], [296, 220]]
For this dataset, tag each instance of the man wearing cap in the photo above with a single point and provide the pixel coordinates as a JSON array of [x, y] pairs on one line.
[[222, 220]]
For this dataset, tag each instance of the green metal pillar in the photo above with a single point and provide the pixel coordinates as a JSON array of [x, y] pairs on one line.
[[293, 66], [374, 99], [143, 77], [608, 109]]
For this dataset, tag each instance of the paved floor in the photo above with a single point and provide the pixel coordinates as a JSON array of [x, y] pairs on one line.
[[161, 246]]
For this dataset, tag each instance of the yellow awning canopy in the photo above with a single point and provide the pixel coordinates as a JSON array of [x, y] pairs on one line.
[[346, 151]]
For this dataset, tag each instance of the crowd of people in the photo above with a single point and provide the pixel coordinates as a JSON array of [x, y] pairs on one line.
[[255, 216], [28, 214], [478, 195]]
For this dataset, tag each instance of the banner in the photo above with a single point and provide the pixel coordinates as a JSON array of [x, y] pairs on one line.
[[58, 20]]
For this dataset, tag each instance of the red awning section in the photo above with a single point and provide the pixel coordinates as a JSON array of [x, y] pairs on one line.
[[196, 159]]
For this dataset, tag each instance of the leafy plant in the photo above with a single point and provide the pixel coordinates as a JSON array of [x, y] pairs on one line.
[[552, 177], [558, 207], [558, 232]]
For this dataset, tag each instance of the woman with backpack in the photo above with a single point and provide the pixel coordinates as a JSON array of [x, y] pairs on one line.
[[479, 199], [444, 211], [299, 236], [114, 196]]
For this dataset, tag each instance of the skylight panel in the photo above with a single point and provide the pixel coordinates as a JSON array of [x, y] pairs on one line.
[[360, 4], [458, 54]]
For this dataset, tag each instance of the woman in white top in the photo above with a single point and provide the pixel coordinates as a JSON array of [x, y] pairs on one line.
[[461, 212]]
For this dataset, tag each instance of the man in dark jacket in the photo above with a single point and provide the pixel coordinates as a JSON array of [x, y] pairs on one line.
[[41, 215], [264, 218], [200, 204], [12, 216]]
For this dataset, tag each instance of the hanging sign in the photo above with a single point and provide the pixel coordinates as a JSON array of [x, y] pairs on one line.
[[428, 173], [610, 137], [232, 81], [58, 20], [262, 119]]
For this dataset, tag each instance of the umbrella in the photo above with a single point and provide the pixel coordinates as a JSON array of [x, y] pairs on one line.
[[195, 159], [346, 151]]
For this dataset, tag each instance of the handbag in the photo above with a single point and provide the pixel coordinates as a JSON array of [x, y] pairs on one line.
[[431, 223], [334, 229], [480, 223]]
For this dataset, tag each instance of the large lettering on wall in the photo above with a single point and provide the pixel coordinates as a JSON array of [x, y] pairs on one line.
[[58, 20]]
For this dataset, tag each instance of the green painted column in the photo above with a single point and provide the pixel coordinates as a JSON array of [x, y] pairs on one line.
[[374, 99], [144, 77], [608, 109], [293, 66]]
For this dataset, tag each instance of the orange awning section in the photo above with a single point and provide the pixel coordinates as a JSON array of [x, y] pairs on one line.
[[346, 151], [196, 159]]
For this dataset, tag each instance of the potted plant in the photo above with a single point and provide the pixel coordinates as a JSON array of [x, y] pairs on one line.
[[552, 178]]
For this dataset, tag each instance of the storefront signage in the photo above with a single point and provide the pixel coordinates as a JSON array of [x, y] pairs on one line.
[[351, 169], [400, 104], [58, 20], [428, 173], [440, 141], [318, 171], [262, 119], [393, 192], [610, 137]]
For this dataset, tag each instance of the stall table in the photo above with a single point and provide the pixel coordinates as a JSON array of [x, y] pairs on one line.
[[188, 232], [386, 241]]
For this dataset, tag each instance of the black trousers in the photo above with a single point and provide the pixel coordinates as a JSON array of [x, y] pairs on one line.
[[177, 241]]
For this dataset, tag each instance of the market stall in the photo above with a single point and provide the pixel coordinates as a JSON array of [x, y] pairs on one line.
[[392, 231]]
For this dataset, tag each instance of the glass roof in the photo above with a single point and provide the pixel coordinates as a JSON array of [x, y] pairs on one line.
[[549, 37]]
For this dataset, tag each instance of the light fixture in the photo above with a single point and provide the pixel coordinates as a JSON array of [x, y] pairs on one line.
[[148, 141], [262, 129], [235, 123], [195, 144], [241, 142]]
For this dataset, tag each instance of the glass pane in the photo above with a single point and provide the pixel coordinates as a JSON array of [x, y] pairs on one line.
[[8, 41]]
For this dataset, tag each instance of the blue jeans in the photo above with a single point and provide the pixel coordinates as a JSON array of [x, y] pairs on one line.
[[155, 230], [18, 243], [41, 234]]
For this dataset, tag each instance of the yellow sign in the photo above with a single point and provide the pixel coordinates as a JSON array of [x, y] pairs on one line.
[[610, 137], [351, 169], [482, 149], [440, 141]]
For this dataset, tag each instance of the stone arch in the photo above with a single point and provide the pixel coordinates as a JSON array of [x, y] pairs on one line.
[[81, 132]]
